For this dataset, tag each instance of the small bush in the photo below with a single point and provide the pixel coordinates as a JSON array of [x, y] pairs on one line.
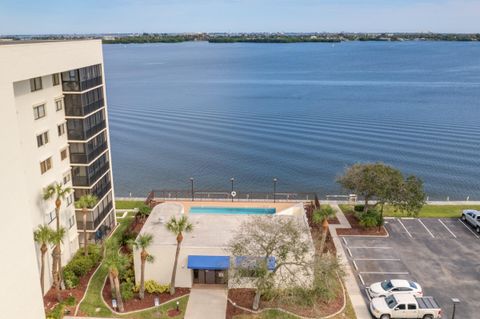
[[371, 219], [71, 280], [80, 265], [126, 289], [127, 237], [359, 208], [128, 275], [153, 287], [69, 301]]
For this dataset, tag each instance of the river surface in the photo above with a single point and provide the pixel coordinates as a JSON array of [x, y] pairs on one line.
[[298, 112]]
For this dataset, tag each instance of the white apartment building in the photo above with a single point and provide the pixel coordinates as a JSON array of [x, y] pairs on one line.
[[54, 129]]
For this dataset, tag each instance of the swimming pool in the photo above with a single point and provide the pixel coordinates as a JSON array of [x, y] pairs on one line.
[[232, 210]]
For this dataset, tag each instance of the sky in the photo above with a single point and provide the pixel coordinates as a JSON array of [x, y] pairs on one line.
[[117, 16]]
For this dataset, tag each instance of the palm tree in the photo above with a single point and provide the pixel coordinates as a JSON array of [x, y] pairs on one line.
[[143, 242], [57, 239], [115, 262], [85, 202], [58, 192], [43, 236], [177, 227], [321, 216]]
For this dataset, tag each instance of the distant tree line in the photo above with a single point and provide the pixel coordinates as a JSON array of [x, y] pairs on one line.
[[260, 37]]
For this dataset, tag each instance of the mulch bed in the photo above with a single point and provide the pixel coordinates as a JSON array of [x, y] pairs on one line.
[[357, 229], [50, 299], [148, 300], [174, 312], [244, 298]]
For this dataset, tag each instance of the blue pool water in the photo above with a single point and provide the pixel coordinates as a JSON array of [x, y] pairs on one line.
[[232, 210]]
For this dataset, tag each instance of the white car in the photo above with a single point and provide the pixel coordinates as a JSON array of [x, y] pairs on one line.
[[394, 286]]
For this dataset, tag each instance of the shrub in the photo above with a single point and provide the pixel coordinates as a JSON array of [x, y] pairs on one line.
[[371, 219], [80, 265], [359, 208], [127, 237], [153, 287], [126, 289], [59, 311], [69, 301], [128, 275], [71, 280]]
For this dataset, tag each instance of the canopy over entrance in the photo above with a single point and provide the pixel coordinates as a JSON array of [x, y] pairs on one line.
[[208, 262]]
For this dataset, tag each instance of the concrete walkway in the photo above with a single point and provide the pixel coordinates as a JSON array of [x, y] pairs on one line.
[[358, 303], [207, 303]]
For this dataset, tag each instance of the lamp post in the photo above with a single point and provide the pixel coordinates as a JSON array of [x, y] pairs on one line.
[[232, 180], [191, 182], [274, 187], [455, 302]]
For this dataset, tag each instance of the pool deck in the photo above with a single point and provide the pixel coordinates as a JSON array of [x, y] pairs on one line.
[[210, 230]]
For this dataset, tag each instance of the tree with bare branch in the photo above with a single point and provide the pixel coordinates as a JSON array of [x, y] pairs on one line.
[[278, 252]]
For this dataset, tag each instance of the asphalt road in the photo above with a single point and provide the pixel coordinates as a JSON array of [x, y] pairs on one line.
[[442, 255]]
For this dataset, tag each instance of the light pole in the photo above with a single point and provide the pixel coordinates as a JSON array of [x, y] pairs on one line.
[[191, 182], [232, 180], [455, 302], [274, 187]]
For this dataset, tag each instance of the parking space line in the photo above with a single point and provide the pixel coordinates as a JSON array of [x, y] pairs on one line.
[[366, 293], [384, 272], [361, 279], [377, 259], [451, 232], [428, 230], [405, 228], [371, 247], [349, 252], [355, 265], [344, 241], [468, 228]]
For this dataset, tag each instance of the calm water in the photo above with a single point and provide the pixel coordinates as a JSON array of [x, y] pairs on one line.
[[300, 112]]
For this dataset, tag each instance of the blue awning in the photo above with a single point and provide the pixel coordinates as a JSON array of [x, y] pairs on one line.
[[251, 262], [208, 262]]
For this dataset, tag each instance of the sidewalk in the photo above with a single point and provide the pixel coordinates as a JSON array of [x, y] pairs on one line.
[[207, 303], [358, 302]]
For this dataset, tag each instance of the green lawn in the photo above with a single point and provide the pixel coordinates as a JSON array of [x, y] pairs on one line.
[[428, 211], [128, 204]]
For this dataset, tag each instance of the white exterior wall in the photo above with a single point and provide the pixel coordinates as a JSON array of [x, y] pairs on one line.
[[22, 183], [161, 269]]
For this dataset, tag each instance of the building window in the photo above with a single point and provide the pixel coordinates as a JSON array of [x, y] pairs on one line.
[[39, 111], [50, 217], [46, 165], [56, 79], [61, 129], [63, 154], [42, 139], [59, 104], [69, 199], [36, 84], [71, 221], [67, 178]]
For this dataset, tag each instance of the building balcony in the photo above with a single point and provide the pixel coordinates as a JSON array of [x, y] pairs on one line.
[[79, 86], [90, 179], [92, 225], [78, 134], [79, 110], [82, 158]]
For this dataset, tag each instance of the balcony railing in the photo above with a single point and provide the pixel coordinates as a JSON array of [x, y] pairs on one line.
[[78, 110], [91, 179], [82, 158]]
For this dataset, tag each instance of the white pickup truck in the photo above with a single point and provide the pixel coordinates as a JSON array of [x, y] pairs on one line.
[[405, 306], [472, 217]]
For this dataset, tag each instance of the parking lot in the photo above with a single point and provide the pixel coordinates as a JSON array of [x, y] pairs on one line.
[[442, 255]]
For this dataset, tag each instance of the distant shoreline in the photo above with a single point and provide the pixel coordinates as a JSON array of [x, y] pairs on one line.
[[282, 38], [256, 37]]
